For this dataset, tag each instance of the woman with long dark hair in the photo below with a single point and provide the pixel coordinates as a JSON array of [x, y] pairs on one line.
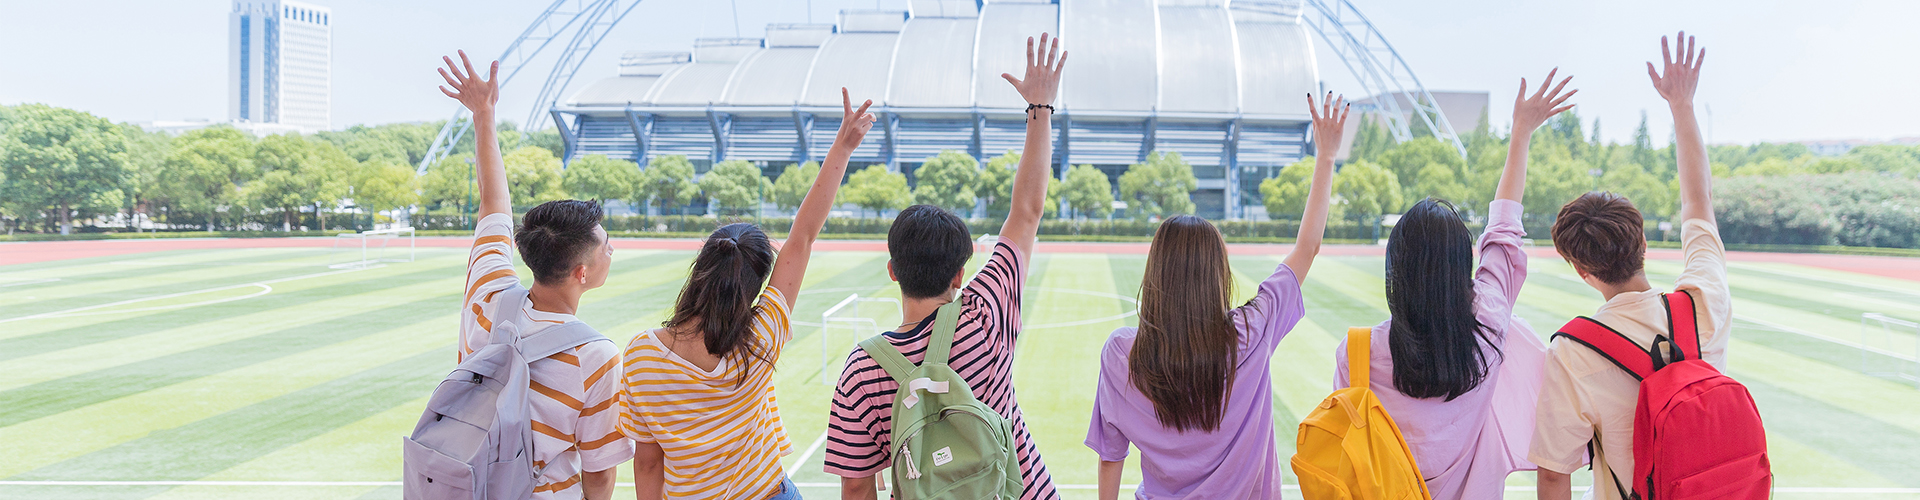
[[699, 399], [1190, 386], [1435, 363]]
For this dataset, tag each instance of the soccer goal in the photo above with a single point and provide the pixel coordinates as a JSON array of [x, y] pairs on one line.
[[375, 246], [844, 325], [1890, 348]]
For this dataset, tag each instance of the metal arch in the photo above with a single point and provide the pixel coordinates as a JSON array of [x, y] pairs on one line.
[[545, 28], [1379, 68], [600, 21]]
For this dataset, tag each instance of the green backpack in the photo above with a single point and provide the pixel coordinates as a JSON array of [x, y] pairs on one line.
[[946, 443]]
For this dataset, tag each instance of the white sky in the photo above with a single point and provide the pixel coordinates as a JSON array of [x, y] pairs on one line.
[[1777, 70]]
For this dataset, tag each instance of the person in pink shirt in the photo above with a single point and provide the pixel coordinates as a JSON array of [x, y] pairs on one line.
[[1436, 362], [1190, 386]]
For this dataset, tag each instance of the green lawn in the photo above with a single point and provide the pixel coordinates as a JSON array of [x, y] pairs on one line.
[[283, 370]]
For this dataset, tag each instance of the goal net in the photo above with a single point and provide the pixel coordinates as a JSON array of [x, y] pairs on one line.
[[844, 325], [1890, 348], [374, 247]]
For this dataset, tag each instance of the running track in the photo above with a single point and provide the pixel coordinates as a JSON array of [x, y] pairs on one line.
[[29, 252]]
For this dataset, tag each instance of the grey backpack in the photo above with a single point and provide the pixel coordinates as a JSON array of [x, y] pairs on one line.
[[475, 441]]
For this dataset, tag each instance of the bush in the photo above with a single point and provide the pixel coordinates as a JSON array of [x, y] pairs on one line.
[[1856, 209]]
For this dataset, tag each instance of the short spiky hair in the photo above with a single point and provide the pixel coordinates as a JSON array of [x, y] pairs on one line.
[[929, 245], [556, 236], [1603, 235]]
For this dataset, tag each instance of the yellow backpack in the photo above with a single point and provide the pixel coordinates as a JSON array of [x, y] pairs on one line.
[[1349, 447]]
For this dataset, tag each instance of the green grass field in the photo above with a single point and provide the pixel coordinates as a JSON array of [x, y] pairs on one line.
[[283, 378]]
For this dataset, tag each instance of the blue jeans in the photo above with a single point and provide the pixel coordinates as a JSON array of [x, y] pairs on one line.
[[787, 491]]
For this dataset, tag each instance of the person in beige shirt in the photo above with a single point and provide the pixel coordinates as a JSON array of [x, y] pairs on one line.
[[1584, 398]]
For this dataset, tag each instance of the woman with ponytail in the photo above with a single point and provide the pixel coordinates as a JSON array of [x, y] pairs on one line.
[[1437, 364], [698, 400], [1189, 388]]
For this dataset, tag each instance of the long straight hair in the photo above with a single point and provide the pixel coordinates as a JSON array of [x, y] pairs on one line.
[[1183, 356], [1435, 336], [721, 290]]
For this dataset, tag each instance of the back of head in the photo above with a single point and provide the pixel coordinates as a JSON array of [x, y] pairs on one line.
[[1434, 337], [722, 287], [929, 246], [1602, 235], [556, 236], [1183, 355]]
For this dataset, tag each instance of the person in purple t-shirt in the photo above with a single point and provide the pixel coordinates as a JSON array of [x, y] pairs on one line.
[[1190, 387]]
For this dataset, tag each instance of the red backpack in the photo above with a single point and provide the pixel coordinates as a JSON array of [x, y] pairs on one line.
[[1696, 432]]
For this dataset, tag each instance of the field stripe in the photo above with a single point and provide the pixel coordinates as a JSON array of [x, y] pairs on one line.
[[368, 448], [1060, 395], [1862, 441], [137, 282]]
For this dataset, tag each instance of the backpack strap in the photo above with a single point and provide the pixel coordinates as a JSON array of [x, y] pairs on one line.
[[1611, 344], [505, 331], [1359, 358], [889, 358], [557, 339], [940, 344], [1683, 324]]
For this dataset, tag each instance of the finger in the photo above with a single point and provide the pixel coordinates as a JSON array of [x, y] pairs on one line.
[[1557, 111], [1345, 110], [1556, 102], [1698, 60], [863, 108], [469, 65], [1651, 73], [1686, 52], [1313, 108], [846, 103], [1666, 55], [1053, 52], [1011, 79], [1563, 84], [1029, 52], [1543, 87], [450, 80], [1060, 65], [1522, 96], [493, 72], [449, 93], [457, 77]]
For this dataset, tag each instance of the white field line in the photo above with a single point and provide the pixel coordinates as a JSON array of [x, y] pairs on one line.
[[1902, 291], [1121, 316], [1855, 345], [1576, 489], [808, 454], [31, 282], [261, 284]]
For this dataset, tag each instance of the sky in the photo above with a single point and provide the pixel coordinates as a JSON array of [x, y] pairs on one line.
[[1776, 70]]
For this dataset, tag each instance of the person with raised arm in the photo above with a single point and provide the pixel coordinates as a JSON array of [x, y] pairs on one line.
[[1436, 363], [699, 396], [1585, 399], [929, 248], [1190, 387], [562, 242]]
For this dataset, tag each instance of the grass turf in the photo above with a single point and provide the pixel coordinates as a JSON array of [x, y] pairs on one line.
[[285, 370]]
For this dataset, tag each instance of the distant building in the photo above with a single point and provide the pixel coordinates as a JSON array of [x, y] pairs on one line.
[[280, 59], [1462, 109]]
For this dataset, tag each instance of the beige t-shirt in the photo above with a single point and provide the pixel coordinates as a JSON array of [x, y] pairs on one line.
[[1583, 395]]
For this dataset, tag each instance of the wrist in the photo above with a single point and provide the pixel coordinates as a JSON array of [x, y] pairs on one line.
[[1680, 105]]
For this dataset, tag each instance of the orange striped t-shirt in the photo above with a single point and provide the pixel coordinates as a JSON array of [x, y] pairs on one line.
[[574, 422], [721, 438]]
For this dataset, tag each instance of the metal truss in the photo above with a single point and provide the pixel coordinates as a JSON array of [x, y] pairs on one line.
[[599, 22], [1379, 68]]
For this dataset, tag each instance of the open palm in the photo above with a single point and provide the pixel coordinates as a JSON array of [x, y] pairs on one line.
[[1682, 71], [1042, 81], [477, 94]]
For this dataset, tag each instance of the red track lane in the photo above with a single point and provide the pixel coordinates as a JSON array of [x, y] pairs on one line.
[[29, 252]]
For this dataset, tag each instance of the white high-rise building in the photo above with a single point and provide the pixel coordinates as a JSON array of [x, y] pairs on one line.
[[280, 57]]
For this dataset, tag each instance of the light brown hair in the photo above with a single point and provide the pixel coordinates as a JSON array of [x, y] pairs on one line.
[[1602, 235], [1183, 356]]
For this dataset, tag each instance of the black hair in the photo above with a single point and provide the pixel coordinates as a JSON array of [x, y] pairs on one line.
[[929, 246], [721, 292], [556, 236], [1434, 335]]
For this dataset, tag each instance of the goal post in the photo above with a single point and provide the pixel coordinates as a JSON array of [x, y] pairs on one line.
[[374, 246], [845, 324], [1890, 348]]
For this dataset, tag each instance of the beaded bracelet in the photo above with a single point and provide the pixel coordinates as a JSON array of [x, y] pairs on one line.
[[1032, 107]]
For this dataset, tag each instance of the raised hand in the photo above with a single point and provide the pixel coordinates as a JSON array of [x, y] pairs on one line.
[[1329, 123], [477, 94], [1682, 71], [853, 124], [1042, 81], [1530, 112]]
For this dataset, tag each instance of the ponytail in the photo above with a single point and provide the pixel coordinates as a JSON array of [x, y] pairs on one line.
[[722, 288]]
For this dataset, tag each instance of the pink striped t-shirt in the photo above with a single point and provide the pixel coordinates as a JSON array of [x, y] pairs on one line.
[[860, 424]]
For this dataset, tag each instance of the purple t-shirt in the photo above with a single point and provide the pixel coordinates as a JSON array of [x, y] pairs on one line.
[[1238, 460]]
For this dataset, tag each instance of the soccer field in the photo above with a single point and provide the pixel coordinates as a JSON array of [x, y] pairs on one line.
[[265, 373]]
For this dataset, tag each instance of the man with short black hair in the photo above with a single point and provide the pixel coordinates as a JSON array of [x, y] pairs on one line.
[[576, 443], [1584, 398], [929, 248]]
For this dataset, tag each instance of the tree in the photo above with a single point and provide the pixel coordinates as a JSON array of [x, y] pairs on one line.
[[146, 153], [61, 159], [383, 184], [735, 186], [1370, 141], [1087, 191], [1440, 180], [1366, 190], [874, 188], [792, 186], [449, 182], [1286, 192], [297, 173], [533, 176], [996, 184], [667, 181], [948, 180], [1406, 160], [1161, 187], [1655, 199], [597, 177], [200, 178]]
